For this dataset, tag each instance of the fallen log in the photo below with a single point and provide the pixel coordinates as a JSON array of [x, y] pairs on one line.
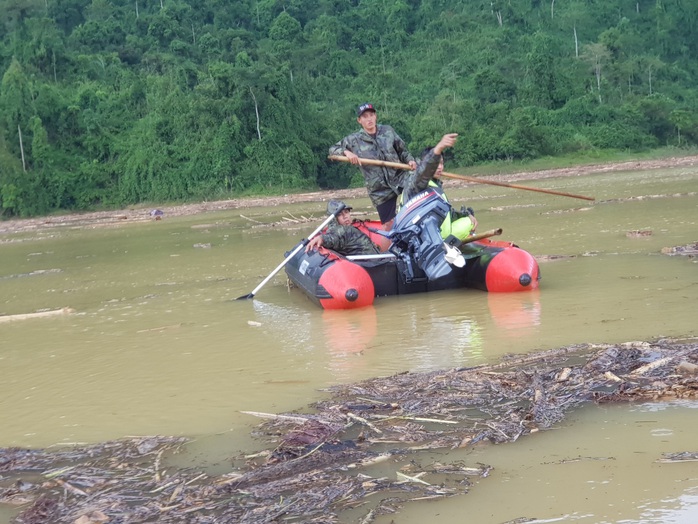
[[40, 314]]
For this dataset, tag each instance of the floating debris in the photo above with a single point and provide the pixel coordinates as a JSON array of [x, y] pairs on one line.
[[639, 233], [689, 250], [33, 273], [681, 456], [39, 314], [551, 258], [318, 463]]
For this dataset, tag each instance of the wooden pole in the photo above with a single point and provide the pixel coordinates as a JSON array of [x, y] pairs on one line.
[[513, 186], [397, 165], [481, 236]]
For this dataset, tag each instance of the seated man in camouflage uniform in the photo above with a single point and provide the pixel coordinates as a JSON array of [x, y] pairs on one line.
[[459, 224], [341, 236]]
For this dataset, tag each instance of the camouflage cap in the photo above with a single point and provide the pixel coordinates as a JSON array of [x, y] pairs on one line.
[[366, 106], [333, 206]]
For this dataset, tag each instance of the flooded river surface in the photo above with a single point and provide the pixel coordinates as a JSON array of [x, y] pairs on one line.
[[156, 343]]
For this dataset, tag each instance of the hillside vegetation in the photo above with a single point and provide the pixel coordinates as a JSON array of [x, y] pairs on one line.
[[110, 103]]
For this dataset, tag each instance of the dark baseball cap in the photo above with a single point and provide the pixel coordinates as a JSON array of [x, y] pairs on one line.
[[363, 108]]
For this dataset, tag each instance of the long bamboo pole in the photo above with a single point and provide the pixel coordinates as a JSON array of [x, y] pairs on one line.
[[397, 165]]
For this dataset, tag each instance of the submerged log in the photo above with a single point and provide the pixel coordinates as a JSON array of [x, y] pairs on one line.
[[40, 314]]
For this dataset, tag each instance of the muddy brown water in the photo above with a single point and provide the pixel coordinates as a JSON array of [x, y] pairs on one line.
[[156, 343]]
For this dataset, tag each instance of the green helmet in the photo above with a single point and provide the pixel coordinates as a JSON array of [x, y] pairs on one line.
[[334, 206]]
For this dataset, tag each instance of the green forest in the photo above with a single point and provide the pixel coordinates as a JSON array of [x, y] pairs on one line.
[[111, 103]]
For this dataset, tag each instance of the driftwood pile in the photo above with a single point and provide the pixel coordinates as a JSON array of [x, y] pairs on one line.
[[346, 453]]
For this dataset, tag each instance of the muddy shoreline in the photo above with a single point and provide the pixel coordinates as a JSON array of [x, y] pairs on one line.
[[143, 214]]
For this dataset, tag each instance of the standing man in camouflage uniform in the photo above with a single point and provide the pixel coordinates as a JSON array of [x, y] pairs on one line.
[[341, 236], [377, 142]]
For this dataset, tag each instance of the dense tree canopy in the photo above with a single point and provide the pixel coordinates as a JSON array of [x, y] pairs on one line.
[[110, 103]]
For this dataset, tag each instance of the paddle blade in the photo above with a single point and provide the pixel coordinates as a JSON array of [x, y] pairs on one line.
[[243, 297]]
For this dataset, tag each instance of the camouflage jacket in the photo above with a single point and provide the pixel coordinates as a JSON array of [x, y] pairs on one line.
[[418, 180], [347, 240], [383, 183]]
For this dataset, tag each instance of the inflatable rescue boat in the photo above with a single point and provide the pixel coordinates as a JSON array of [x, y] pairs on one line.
[[417, 260]]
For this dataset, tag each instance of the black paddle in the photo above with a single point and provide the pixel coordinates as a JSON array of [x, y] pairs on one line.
[[293, 253]]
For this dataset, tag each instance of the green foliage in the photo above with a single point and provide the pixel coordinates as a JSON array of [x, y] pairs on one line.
[[10, 175], [119, 103]]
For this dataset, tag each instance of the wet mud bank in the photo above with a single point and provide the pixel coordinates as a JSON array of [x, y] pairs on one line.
[[359, 449], [141, 214]]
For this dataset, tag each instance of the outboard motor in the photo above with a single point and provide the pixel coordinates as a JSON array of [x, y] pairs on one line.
[[416, 234]]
